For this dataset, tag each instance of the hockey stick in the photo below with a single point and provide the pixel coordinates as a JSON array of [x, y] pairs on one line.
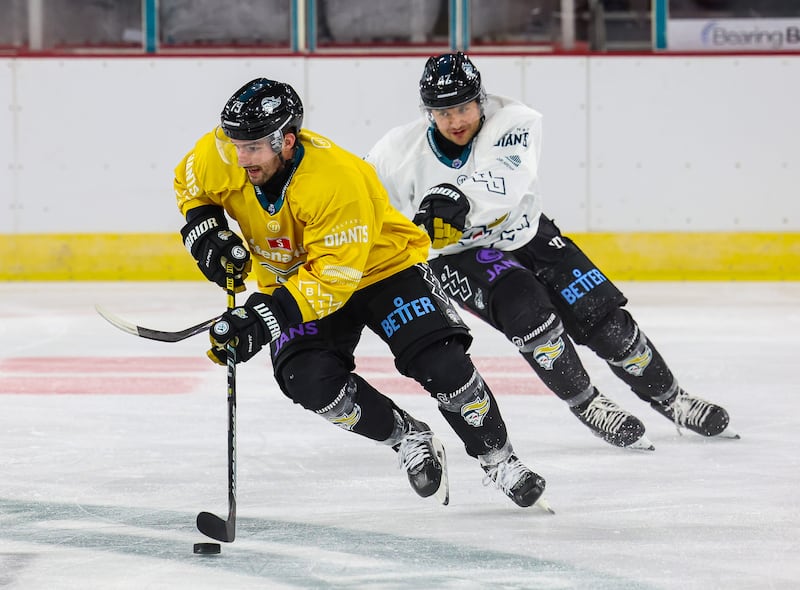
[[152, 334], [209, 524]]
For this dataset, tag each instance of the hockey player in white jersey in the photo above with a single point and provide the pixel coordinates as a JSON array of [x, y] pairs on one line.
[[468, 174]]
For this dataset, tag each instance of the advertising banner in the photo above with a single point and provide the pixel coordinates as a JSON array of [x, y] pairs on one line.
[[734, 34]]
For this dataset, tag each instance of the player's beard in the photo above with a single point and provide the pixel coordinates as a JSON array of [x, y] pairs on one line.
[[256, 175], [261, 174]]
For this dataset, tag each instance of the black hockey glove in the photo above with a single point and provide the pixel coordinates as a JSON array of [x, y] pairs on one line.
[[248, 328], [212, 244], [443, 214]]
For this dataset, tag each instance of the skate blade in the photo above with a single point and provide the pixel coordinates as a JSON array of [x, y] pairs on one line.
[[642, 444], [443, 492], [544, 505], [728, 433]]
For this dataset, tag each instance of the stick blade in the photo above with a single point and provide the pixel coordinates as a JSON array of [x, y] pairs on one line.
[[151, 334], [116, 321], [213, 526]]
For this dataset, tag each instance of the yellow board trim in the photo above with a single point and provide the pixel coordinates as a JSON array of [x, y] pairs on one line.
[[95, 257], [718, 256]]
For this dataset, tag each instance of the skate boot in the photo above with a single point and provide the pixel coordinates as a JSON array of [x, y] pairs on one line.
[[507, 473], [613, 424], [695, 414], [422, 456]]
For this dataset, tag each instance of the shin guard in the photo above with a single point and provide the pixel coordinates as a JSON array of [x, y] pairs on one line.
[[447, 373]]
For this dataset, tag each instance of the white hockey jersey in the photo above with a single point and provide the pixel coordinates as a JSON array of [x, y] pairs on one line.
[[497, 171]]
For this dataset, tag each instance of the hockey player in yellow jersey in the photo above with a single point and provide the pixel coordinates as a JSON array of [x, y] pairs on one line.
[[332, 256], [331, 207]]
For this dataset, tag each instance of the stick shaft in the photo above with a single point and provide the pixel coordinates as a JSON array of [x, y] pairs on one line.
[[231, 361], [207, 523]]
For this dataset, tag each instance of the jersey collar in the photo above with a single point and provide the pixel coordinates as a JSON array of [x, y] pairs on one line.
[[456, 162], [273, 207]]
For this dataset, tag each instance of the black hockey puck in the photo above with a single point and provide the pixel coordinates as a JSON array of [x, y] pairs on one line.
[[206, 548]]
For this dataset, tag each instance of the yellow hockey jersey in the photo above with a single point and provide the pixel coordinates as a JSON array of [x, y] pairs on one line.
[[333, 230]]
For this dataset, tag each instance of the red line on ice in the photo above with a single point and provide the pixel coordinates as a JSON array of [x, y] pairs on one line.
[[155, 375]]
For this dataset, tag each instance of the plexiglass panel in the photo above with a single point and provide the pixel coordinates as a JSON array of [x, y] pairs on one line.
[[381, 23], [235, 23]]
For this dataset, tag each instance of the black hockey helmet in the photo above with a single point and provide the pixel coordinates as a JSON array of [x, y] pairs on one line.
[[449, 80], [261, 108]]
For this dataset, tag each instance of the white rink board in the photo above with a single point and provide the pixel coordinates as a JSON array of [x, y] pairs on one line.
[[630, 144], [557, 88], [354, 102], [8, 190], [130, 122], [697, 144]]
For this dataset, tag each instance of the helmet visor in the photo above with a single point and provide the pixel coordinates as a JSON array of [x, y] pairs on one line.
[[456, 103], [229, 149], [458, 111]]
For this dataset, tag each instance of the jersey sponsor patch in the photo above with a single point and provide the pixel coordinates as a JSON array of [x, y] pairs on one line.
[[511, 162], [280, 243], [495, 262], [298, 331], [456, 285], [583, 283], [433, 283], [405, 313], [321, 301], [279, 255], [494, 183]]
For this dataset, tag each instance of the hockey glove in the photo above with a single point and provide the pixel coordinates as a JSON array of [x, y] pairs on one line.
[[212, 244], [248, 328], [443, 214]]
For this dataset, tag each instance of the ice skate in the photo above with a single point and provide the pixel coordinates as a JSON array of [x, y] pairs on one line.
[[422, 456], [613, 424], [696, 414], [507, 473]]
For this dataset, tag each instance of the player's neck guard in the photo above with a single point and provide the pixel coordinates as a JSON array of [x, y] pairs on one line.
[[448, 153]]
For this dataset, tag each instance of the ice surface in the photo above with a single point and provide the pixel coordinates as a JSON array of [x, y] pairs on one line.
[[111, 444]]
